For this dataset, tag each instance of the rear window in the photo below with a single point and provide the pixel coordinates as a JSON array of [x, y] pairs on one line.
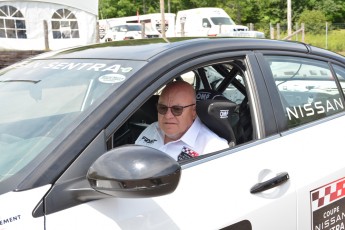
[[307, 88]]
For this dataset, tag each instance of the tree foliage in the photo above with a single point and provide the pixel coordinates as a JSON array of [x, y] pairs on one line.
[[241, 11], [314, 21]]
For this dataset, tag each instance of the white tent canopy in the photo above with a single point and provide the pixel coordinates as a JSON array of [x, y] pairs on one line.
[[90, 6], [50, 24]]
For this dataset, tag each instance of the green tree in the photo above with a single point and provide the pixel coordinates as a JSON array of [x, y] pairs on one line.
[[241, 11], [333, 9], [314, 21]]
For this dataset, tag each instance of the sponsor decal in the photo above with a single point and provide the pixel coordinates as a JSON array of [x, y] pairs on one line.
[[149, 141], [203, 96], [186, 153], [112, 78], [328, 206], [8, 220], [311, 109], [223, 113], [159, 25], [97, 67]]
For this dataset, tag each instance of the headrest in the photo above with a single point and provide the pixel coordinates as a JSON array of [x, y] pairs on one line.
[[216, 115]]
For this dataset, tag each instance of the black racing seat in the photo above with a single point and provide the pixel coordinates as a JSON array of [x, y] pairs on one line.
[[216, 111], [147, 113], [143, 117]]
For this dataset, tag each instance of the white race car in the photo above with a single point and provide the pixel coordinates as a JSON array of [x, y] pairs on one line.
[[69, 120]]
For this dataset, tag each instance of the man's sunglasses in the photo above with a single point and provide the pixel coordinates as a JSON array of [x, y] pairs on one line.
[[176, 110]]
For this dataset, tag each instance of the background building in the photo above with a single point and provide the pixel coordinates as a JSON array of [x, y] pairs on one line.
[[47, 24]]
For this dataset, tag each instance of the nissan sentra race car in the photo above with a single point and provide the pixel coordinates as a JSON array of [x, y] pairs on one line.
[[69, 120]]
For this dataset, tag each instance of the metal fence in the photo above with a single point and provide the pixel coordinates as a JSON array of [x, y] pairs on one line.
[[324, 35]]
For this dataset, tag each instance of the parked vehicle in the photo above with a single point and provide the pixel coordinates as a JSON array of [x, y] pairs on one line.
[[124, 31], [152, 23], [193, 22], [210, 22], [69, 120]]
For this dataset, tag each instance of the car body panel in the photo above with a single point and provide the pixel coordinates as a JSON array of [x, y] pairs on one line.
[[19, 206], [164, 212]]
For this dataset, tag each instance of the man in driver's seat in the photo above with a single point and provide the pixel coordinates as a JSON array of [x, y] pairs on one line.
[[179, 132]]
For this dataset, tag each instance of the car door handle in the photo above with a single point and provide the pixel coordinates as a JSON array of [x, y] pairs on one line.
[[271, 183]]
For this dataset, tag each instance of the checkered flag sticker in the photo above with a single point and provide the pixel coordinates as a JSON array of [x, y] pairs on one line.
[[328, 194], [187, 153]]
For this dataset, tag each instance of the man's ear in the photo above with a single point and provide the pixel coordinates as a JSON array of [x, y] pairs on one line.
[[194, 112]]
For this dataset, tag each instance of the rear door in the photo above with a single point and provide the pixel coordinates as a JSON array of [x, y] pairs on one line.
[[312, 97]]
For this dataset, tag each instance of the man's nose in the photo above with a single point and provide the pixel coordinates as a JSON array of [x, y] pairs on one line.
[[169, 114]]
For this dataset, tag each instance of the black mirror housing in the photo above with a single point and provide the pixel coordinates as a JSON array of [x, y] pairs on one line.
[[133, 171]]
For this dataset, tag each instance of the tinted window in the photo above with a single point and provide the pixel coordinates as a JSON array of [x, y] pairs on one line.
[[307, 89], [340, 71], [134, 28], [206, 23], [222, 21]]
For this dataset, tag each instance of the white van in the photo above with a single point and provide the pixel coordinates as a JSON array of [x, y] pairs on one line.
[[210, 22]]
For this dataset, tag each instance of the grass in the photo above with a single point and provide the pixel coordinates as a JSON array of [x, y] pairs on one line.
[[335, 40], [342, 53]]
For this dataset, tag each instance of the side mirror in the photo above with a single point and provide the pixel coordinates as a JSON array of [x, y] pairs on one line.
[[134, 172]]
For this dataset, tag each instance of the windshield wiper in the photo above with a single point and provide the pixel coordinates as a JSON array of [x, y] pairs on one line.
[[28, 81]]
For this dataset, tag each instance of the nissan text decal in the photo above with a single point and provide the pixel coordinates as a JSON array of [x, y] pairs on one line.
[[311, 109]]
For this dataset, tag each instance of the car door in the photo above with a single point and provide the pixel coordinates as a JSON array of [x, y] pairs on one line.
[[247, 186], [311, 91]]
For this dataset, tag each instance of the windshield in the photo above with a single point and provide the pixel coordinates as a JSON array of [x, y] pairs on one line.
[[125, 28], [40, 99], [222, 21], [134, 27]]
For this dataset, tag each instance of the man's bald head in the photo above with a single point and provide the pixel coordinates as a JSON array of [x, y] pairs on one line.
[[177, 93]]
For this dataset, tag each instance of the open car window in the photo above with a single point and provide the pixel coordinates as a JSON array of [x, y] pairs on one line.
[[219, 78], [226, 79]]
